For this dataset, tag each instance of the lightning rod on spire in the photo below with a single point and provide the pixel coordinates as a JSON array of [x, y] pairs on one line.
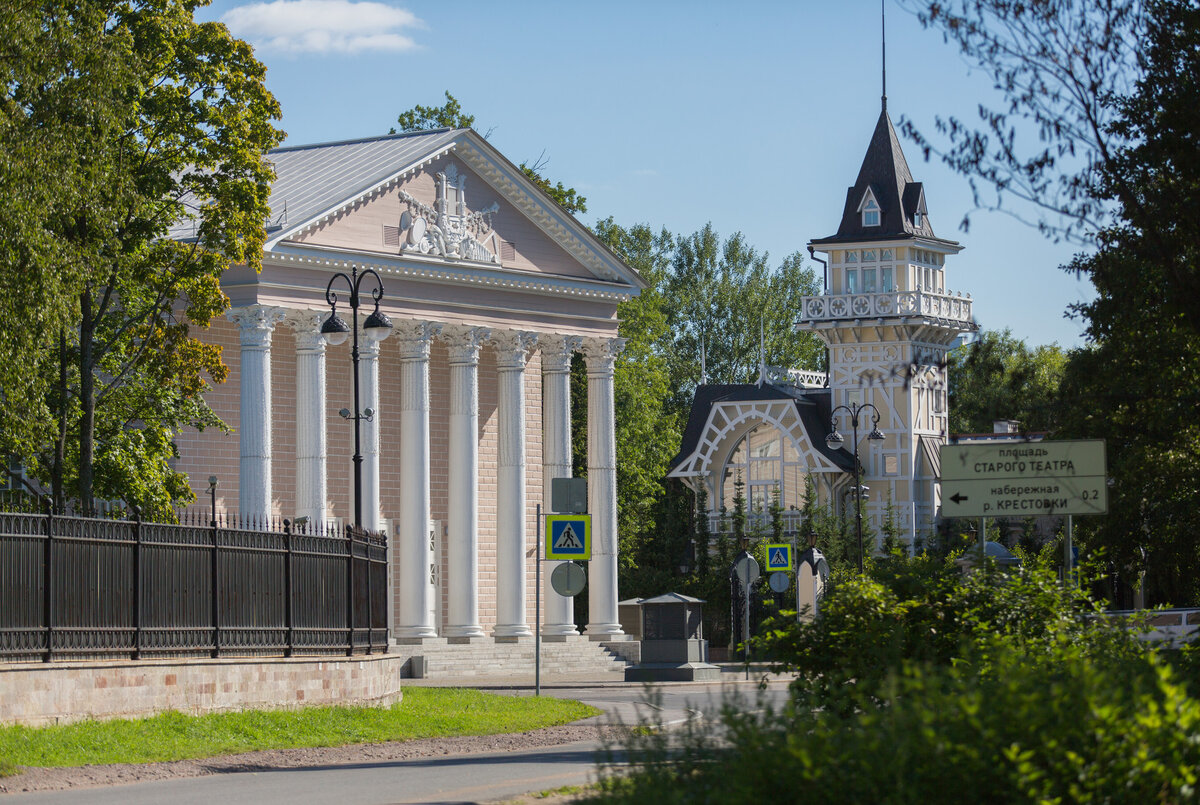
[[883, 43]]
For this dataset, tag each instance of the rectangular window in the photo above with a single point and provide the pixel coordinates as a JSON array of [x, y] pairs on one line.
[[851, 280], [868, 257], [885, 255], [868, 280], [885, 280], [851, 257], [929, 279]]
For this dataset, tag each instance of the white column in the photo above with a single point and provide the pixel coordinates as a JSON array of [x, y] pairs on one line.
[[311, 491], [368, 390], [556, 461], [512, 350], [462, 519], [410, 545], [256, 323], [601, 354]]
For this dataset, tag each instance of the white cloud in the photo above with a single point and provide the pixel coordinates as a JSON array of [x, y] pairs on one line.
[[323, 26]]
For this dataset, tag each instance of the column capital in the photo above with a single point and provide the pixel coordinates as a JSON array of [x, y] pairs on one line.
[[465, 342], [306, 324], [256, 323], [513, 348], [601, 354], [415, 338], [557, 351]]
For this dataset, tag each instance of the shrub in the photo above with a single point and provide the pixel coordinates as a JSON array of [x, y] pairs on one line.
[[918, 684], [1067, 727]]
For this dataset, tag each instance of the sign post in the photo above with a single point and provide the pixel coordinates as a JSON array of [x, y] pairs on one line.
[[745, 567]]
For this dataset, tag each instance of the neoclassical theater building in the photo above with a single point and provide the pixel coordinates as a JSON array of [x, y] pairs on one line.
[[492, 288], [887, 320]]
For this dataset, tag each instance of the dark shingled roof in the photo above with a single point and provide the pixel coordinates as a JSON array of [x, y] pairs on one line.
[[885, 171], [811, 404]]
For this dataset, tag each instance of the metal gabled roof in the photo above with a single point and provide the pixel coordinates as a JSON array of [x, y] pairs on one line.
[[312, 179]]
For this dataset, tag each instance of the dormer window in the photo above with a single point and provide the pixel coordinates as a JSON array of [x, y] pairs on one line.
[[917, 218], [871, 214], [869, 208]]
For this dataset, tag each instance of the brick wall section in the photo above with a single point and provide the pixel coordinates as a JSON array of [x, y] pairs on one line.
[[74, 691], [214, 452]]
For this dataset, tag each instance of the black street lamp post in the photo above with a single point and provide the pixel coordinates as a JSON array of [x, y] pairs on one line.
[[834, 440], [335, 331]]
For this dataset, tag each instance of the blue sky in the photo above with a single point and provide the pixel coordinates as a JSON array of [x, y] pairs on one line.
[[754, 116]]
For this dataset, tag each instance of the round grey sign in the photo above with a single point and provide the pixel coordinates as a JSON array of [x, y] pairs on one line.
[[568, 579], [779, 581], [747, 569]]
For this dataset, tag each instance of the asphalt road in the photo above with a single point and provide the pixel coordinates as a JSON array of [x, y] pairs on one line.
[[462, 778]]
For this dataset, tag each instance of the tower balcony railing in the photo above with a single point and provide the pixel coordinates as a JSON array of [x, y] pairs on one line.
[[944, 308]]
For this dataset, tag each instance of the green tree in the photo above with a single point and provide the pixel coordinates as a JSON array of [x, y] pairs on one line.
[[179, 192], [1107, 91], [1111, 90], [999, 377], [721, 297], [1135, 385], [1055, 64], [647, 433], [451, 116], [52, 120]]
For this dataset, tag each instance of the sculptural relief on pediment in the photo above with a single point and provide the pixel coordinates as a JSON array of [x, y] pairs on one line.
[[448, 228]]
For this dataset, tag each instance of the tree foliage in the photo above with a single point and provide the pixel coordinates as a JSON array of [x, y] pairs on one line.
[[918, 684], [726, 300], [1056, 64], [1111, 90], [177, 121], [646, 431], [998, 377], [1135, 384]]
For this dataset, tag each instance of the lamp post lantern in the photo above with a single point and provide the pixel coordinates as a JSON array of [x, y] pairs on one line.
[[834, 440], [212, 493], [335, 331]]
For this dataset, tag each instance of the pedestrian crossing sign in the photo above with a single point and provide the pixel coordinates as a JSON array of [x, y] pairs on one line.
[[569, 536], [779, 557]]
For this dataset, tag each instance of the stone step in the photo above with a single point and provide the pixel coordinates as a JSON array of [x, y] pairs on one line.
[[439, 658]]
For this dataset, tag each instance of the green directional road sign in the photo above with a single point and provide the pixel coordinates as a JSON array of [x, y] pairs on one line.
[[779, 557], [569, 536], [1018, 479]]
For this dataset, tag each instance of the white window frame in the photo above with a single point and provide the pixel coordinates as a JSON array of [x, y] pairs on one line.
[[872, 213]]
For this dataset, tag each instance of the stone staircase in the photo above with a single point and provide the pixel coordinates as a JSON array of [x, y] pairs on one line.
[[575, 655]]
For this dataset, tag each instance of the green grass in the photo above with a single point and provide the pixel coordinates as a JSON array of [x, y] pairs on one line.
[[424, 713]]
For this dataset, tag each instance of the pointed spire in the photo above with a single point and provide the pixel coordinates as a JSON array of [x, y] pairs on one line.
[[703, 366]]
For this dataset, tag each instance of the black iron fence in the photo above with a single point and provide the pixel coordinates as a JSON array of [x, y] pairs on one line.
[[76, 587]]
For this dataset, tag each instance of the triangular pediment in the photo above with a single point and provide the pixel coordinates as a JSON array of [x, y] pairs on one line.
[[443, 198]]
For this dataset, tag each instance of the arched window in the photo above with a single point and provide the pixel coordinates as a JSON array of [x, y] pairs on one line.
[[767, 464]]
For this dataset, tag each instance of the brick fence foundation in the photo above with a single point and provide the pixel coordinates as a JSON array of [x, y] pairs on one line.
[[62, 692]]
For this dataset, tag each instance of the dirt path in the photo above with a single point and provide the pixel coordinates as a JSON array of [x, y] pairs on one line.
[[57, 778]]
